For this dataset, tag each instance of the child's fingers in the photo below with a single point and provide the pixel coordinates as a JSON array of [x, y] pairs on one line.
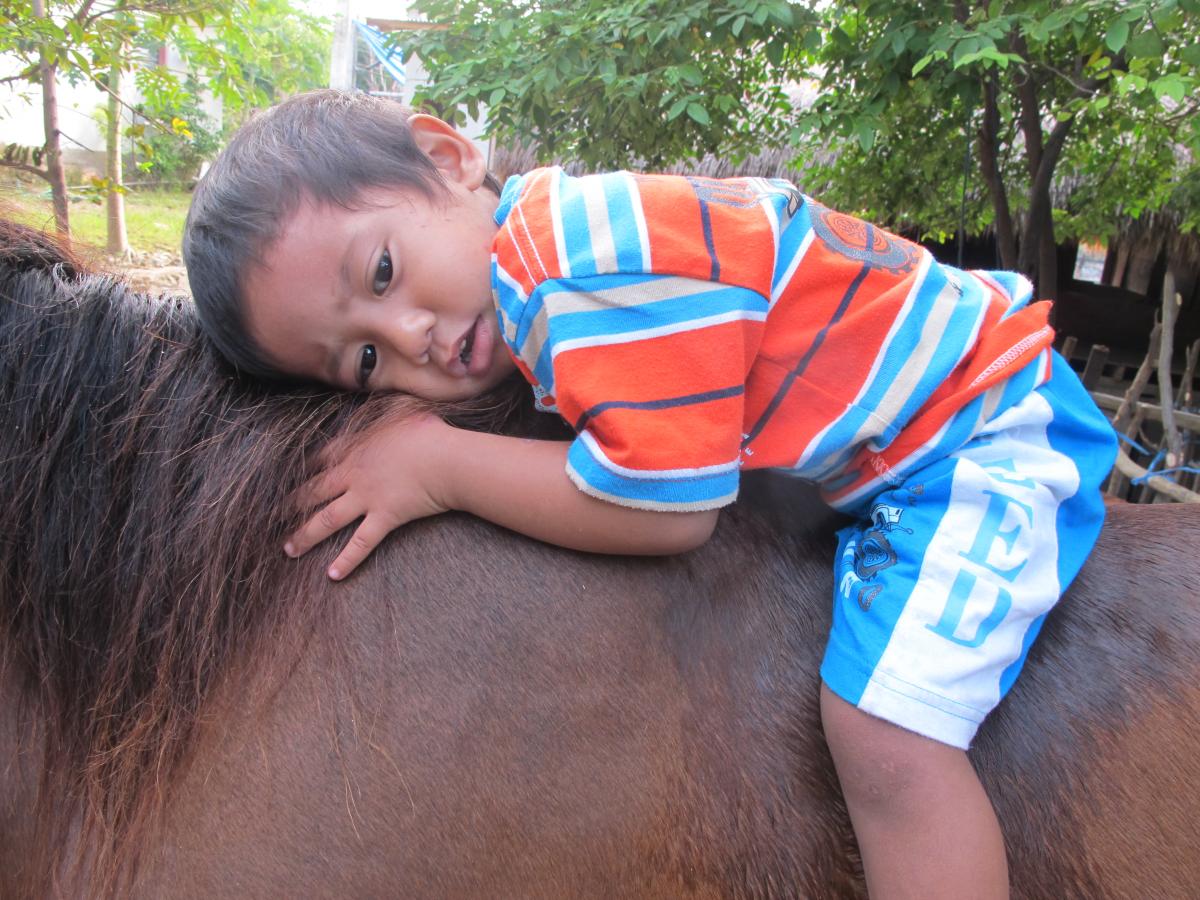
[[319, 489], [339, 450], [329, 519], [365, 539]]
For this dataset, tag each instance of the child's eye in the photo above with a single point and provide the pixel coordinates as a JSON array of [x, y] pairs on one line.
[[366, 364], [383, 273]]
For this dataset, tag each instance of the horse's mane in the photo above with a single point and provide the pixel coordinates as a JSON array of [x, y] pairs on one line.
[[144, 488]]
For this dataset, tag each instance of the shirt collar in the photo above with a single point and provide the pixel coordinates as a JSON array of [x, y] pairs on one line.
[[508, 198]]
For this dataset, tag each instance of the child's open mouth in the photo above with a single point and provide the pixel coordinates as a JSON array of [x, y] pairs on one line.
[[475, 350], [464, 355]]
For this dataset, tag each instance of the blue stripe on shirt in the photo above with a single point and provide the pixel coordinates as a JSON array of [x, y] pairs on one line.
[[790, 239], [623, 223], [623, 320], [577, 236], [684, 491]]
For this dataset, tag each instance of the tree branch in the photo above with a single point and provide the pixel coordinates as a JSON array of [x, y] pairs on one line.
[[1058, 136], [1081, 87], [81, 14], [25, 74], [153, 9], [25, 167], [1130, 469], [160, 124], [988, 141]]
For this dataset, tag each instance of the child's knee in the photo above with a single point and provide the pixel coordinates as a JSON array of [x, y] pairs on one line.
[[881, 766]]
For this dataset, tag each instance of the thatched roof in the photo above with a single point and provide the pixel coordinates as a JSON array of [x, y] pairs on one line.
[[512, 160], [1154, 231], [1151, 231]]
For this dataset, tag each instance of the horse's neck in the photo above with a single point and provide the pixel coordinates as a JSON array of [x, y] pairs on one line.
[[20, 753]]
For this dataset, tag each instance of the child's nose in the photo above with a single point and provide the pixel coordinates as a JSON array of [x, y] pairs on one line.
[[413, 333]]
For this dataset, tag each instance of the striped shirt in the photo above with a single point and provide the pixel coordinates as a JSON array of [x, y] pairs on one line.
[[690, 327]]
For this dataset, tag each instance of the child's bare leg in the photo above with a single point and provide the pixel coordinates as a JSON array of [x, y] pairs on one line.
[[925, 827]]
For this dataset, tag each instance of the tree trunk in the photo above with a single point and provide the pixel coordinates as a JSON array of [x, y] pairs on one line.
[[989, 138], [54, 167], [1038, 257], [1047, 269], [1039, 227], [118, 242], [1172, 439], [1118, 275], [1039, 254]]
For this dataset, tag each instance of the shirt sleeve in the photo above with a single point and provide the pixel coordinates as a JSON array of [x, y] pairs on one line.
[[650, 371]]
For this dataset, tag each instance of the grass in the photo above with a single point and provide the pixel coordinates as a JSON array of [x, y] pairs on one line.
[[153, 219]]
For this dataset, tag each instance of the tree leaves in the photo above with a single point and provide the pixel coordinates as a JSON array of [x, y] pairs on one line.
[[895, 90], [246, 50], [1117, 35], [615, 83], [905, 82]]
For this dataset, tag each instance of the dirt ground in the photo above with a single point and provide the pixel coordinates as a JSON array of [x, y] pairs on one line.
[[153, 273], [159, 280]]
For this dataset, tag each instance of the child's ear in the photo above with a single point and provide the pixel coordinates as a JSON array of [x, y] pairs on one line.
[[456, 156]]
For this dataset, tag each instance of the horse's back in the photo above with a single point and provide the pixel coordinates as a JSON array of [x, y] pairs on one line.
[[531, 723], [1091, 760], [483, 716]]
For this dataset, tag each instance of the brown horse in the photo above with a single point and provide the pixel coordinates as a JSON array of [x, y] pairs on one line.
[[186, 713]]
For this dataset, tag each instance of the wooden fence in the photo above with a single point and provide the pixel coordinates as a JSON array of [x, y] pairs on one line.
[[1159, 425]]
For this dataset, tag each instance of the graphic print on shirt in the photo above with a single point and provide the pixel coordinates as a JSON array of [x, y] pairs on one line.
[[864, 559], [862, 241], [745, 193]]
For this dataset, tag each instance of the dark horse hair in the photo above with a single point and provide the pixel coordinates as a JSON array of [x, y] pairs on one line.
[[142, 481]]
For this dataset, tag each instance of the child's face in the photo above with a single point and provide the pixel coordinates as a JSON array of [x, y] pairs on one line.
[[392, 295]]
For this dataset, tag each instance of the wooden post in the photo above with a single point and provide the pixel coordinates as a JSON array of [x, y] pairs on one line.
[[1187, 390], [1097, 357], [1118, 274], [1140, 380], [1068, 347], [1118, 482], [1187, 400], [1171, 302]]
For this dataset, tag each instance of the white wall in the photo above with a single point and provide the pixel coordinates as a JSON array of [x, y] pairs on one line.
[[341, 62], [21, 112], [80, 112]]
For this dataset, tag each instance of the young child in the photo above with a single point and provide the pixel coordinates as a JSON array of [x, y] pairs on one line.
[[686, 328]]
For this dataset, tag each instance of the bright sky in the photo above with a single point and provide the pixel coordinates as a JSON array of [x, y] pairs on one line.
[[360, 9]]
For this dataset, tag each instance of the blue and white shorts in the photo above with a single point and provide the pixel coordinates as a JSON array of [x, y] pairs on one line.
[[940, 592]]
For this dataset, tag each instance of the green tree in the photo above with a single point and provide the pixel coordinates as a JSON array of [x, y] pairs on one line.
[[608, 83], [1102, 91], [246, 52], [1041, 88]]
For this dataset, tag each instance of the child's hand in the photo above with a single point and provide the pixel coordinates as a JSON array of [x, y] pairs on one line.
[[389, 476]]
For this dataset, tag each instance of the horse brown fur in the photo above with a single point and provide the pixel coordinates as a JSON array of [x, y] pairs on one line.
[[187, 713]]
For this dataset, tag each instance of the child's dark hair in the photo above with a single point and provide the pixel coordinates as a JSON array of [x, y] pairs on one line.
[[327, 146]]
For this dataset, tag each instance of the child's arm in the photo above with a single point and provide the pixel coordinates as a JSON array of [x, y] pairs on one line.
[[408, 470]]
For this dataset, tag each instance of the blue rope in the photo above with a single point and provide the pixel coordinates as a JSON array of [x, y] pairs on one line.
[[1177, 469], [1132, 443], [1158, 457]]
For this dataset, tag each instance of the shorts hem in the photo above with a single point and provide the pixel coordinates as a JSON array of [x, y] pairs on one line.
[[909, 706]]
